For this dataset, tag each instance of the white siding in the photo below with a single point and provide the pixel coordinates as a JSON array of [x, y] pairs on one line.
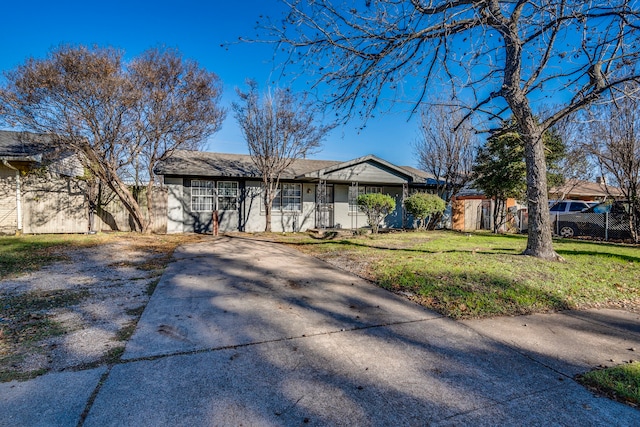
[[253, 219], [281, 221]]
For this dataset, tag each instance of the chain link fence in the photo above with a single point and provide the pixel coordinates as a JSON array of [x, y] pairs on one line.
[[604, 226]]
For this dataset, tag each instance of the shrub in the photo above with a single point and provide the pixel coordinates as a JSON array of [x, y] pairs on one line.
[[377, 206], [423, 205]]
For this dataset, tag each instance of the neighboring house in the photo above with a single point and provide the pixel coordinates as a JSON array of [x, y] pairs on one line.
[[575, 189], [43, 190], [210, 191], [38, 189], [471, 209]]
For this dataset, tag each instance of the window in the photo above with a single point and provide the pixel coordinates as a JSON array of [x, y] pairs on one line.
[[227, 195], [202, 195], [291, 197], [577, 206], [288, 198], [353, 197]]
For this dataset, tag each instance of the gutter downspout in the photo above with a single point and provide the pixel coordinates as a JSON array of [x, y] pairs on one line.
[[18, 196]]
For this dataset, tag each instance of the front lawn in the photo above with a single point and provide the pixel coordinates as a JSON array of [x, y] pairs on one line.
[[621, 382], [467, 275]]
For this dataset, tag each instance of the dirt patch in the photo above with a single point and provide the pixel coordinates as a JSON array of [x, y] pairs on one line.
[[79, 312]]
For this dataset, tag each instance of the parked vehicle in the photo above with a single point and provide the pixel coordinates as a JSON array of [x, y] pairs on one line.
[[606, 220], [564, 207]]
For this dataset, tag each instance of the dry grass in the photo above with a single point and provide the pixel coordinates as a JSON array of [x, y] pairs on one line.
[[29, 328]]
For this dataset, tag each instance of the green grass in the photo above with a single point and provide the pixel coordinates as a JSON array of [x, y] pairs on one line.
[[6, 376], [621, 382], [467, 275], [22, 254]]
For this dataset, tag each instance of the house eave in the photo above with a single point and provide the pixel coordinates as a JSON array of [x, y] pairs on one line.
[[36, 158]]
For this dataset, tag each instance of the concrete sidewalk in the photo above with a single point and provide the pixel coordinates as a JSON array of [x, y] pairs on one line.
[[241, 332]]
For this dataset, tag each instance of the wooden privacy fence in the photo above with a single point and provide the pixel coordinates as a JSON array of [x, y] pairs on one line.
[[60, 205], [111, 215]]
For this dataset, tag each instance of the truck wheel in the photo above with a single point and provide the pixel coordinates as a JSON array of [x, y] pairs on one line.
[[567, 231]]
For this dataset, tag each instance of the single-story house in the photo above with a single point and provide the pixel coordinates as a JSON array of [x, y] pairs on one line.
[[208, 191], [38, 189], [43, 189], [576, 189]]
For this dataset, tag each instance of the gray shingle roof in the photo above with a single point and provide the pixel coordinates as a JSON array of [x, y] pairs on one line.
[[420, 175], [22, 146], [200, 163], [206, 164]]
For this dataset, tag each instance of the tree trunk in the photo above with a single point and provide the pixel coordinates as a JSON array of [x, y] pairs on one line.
[[540, 242], [268, 201], [107, 174], [149, 196], [498, 208], [129, 203]]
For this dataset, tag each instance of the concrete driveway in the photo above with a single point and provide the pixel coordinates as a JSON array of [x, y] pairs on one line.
[[243, 332]]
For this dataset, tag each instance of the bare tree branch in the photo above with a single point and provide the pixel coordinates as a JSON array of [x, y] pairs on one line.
[[507, 56], [90, 102], [279, 128]]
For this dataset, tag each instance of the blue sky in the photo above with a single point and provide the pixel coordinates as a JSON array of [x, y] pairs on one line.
[[197, 29]]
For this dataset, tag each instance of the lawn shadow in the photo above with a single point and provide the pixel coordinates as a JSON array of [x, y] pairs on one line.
[[266, 336], [473, 295], [622, 257], [355, 244]]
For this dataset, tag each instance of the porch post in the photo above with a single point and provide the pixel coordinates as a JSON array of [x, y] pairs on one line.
[[405, 194], [321, 195]]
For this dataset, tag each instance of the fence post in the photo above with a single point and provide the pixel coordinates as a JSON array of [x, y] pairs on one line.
[[215, 223], [606, 226]]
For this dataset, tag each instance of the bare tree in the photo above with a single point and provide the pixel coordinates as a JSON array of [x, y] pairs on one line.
[[446, 148], [279, 128], [503, 55], [613, 140], [88, 101], [178, 109]]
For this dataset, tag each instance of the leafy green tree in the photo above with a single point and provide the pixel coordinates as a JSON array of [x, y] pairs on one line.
[[377, 206], [500, 169], [500, 172], [422, 205]]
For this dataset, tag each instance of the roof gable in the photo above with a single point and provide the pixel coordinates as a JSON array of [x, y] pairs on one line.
[[364, 169]]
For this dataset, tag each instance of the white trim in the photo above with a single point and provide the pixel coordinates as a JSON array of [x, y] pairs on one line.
[[18, 196], [206, 199]]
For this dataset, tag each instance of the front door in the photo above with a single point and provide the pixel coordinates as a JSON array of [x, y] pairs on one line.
[[324, 206]]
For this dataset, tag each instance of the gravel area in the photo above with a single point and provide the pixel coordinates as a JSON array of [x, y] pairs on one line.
[[102, 291]]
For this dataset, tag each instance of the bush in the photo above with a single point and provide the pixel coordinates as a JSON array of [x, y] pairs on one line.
[[423, 205], [377, 206]]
